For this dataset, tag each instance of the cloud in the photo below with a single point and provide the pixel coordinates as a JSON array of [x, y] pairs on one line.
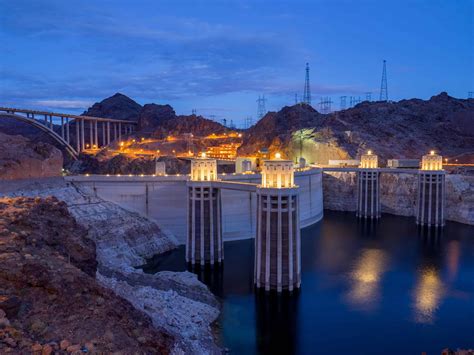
[[64, 104]]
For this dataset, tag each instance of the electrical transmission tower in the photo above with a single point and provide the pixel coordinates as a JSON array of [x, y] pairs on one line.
[[307, 89], [343, 103], [193, 111], [261, 111], [368, 96], [296, 99], [383, 85], [248, 122], [470, 94], [325, 104]]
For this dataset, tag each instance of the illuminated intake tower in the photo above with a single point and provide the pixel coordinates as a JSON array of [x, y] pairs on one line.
[[277, 243], [204, 240], [431, 191], [368, 187]]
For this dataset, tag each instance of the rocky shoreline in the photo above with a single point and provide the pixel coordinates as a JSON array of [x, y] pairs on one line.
[[177, 303], [398, 194]]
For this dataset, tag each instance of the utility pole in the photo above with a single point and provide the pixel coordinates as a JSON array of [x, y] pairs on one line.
[[383, 85], [307, 88], [261, 111], [342, 106]]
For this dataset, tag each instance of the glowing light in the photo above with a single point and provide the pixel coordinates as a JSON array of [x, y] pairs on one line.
[[277, 156], [130, 175], [203, 154], [141, 175], [121, 144], [369, 152], [432, 161], [108, 175], [366, 276], [87, 174], [142, 139], [428, 295]]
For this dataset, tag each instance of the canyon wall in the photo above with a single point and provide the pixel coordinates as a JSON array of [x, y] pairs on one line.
[[22, 158], [398, 194]]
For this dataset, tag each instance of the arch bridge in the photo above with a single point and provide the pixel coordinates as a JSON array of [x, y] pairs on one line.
[[75, 133]]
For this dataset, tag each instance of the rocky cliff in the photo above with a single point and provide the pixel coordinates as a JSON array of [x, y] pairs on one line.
[[404, 129], [398, 194], [50, 301], [21, 158]]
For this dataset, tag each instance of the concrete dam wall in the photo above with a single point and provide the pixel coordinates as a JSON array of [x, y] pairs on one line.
[[164, 199]]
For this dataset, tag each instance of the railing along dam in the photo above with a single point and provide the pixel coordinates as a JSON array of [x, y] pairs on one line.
[[164, 199]]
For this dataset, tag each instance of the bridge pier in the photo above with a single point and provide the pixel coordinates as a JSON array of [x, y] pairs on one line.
[[204, 243], [83, 143], [67, 130], [431, 192], [277, 263]]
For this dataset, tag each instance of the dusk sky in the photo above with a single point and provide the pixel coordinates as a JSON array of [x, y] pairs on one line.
[[218, 56]]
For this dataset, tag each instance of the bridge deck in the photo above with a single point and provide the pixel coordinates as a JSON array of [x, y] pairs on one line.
[[65, 115]]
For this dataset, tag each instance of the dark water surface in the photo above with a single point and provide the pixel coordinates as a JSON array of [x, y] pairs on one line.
[[385, 288]]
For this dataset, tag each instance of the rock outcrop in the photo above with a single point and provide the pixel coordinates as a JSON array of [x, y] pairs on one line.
[[21, 158], [117, 106], [153, 115], [50, 300], [124, 240], [404, 129], [398, 194]]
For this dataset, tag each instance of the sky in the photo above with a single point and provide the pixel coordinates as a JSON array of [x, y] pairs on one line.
[[217, 57]]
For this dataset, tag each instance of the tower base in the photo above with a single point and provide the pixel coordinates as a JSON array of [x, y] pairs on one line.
[[204, 240], [368, 193], [278, 241], [431, 198]]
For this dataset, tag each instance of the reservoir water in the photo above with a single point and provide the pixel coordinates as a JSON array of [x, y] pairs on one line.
[[382, 288]]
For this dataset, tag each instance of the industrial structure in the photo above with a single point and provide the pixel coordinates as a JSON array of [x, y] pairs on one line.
[[383, 84], [368, 187], [431, 191], [261, 110], [277, 243], [307, 88]]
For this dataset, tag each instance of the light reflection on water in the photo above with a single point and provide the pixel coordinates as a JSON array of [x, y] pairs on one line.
[[428, 294], [365, 278], [365, 287]]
